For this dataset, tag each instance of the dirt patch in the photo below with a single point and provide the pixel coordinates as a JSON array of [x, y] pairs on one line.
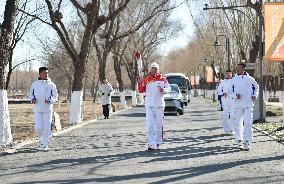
[[22, 117]]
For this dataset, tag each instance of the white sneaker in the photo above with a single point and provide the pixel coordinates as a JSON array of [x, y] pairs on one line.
[[229, 132], [40, 147], [240, 144], [247, 146], [45, 148]]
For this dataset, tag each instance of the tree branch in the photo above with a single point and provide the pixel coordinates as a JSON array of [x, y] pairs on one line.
[[153, 14], [81, 17], [36, 17], [77, 5], [64, 36], [117, 11], [29, 60]]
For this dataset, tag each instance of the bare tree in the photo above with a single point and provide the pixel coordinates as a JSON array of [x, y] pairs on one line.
[[22, 24], [92, 19], [6, 36], [139, 13]]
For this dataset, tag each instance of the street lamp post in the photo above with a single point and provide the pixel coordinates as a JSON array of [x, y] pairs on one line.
[[260, 56], [216, 43]]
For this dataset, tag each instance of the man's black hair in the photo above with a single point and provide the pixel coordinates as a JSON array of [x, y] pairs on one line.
[[242, 64], [43, 68], [229, 71]]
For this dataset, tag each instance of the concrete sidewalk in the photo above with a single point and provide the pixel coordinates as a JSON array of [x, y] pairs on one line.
[[113, 151]]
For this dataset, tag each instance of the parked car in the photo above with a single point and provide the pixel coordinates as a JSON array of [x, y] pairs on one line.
[[183, 83], [173, 101]]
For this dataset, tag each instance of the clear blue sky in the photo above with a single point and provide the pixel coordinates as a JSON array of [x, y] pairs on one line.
[[182, 14]]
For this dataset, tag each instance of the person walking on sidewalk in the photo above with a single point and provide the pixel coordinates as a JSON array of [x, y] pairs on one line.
[[245, 90], [218, 87], [105, 92], [224, 90], [43, 94], [155, 86]]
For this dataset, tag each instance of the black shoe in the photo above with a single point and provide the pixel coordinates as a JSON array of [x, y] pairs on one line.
[[107, 117], [150, 149]]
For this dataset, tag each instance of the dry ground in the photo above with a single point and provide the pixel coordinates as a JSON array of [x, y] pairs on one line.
[[22, 117]]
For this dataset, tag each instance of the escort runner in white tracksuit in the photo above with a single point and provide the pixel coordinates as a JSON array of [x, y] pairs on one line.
[[43, 94], [220, 108], [245, 90], [224, 90], [155, 86]]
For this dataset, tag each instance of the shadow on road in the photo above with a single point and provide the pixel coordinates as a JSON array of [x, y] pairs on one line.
[[137, 114], [175, 174]]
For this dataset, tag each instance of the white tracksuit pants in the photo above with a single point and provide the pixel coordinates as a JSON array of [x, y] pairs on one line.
[[228, 118], [43, 126], [154, 125], [243, 124]]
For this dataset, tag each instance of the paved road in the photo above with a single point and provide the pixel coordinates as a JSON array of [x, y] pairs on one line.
[[107, 151]]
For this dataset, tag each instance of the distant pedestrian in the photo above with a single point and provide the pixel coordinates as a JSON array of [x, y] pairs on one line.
[[155, 86], [220, 108], [245, 90], [224, 90], [105, 90], [43, 94]]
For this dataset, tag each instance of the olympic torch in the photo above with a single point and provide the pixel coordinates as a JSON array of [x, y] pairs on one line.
[[139, 64]]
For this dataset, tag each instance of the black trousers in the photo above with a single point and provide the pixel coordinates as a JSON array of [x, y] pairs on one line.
[[106, 110]]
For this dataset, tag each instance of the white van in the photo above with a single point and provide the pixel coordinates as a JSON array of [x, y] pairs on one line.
[[184, 85]]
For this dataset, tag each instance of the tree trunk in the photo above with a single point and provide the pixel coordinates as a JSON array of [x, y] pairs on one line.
[[102, 70], [10, 69], [79, 76], [253, 55], [8, 79], [75, 115], [117, 69], [6, 32]]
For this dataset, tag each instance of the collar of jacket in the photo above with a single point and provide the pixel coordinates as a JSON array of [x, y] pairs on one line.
[[151, 78], [48, 79], [245, 73]]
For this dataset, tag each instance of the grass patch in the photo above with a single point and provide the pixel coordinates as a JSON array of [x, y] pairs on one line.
[[273, 128]]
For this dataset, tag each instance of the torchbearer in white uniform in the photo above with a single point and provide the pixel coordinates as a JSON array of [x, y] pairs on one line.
[[224, 90], [245, 90], [155, 86], [43, 94]]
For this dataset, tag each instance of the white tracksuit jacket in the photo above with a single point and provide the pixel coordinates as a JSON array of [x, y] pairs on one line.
[[41, 90], [105, 90], [153, 97], [246, 87], [225, 87]]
